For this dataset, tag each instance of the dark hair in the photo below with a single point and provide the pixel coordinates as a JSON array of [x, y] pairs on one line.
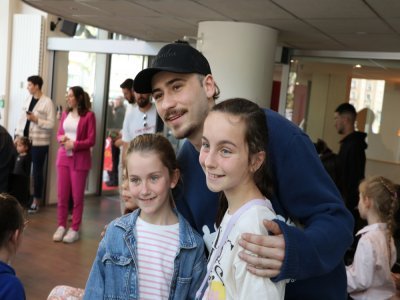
[[11, 217], [384, 194], [127, 84], [157, 143], [81, 99], [256, 137], [25, 141], [86, 97], [347, 108], [36, 80]]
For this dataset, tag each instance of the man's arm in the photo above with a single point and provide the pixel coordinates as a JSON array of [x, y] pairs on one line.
[[305, 193], [48, 122]]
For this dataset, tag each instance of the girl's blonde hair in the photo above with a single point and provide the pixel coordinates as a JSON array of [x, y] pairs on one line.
[[383, 193]]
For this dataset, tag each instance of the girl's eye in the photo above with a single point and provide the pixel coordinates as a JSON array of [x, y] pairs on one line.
[[225, 151], [135, 181], [154, 178], [205, 145]]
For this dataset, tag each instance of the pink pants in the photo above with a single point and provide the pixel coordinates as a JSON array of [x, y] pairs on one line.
[[69, 179]]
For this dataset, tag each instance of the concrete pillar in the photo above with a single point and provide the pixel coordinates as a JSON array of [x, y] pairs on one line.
[[241, 57]]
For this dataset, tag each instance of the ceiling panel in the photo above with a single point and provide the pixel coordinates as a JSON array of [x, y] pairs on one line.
[[395, 24], [182, 9], [372, 42], [386, 8], [68, 7], [350, 25], [120, 8], [247, 10], [328, 9], [302, 24]]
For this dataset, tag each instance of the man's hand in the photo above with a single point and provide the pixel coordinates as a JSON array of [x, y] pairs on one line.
[[268, 252], [31, 117]]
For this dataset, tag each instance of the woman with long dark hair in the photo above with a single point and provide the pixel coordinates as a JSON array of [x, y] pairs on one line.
[[76, 135]]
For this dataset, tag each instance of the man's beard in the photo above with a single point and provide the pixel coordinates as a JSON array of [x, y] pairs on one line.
[[131, 100], [143, 103]]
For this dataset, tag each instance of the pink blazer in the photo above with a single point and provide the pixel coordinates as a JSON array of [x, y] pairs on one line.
[[85, 139]]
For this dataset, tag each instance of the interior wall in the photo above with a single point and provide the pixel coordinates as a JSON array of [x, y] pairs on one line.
[[327, 92], [60, 78], [384, 146]]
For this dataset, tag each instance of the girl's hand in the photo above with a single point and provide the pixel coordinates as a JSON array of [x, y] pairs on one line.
[[268, 252]]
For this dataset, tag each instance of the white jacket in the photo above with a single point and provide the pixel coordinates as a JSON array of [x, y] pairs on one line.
[[39, 132]]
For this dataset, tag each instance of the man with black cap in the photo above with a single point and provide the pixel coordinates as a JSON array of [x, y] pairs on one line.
[[311, 255]]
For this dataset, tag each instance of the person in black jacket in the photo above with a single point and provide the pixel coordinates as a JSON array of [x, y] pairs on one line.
[[351, 159], [7, 158]]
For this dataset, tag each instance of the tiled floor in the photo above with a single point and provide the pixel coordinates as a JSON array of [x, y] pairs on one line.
[[42, 264]]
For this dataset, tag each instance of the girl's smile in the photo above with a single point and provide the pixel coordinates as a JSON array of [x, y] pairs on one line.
[[149, 184]]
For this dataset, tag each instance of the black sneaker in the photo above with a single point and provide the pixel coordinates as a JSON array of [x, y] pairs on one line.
[[33, 209]]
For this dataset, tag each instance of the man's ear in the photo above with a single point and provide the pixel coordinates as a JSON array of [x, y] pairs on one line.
[[257, 160], [175, 178], [209, 85]]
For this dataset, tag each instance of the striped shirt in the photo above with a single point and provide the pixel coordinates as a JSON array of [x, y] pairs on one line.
[[157, 247]]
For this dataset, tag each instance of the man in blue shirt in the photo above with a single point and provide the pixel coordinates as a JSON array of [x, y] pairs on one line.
[[310, 254]]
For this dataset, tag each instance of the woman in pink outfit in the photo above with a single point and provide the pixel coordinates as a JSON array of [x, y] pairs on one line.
[[76, 135]]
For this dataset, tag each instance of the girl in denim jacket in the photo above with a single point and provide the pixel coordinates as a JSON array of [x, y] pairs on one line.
[[151, 253]]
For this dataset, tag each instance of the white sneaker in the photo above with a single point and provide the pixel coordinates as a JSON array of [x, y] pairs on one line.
[[58, 235], [71, 236]]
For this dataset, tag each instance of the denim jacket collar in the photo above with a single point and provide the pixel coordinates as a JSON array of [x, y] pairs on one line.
[[186, 235]]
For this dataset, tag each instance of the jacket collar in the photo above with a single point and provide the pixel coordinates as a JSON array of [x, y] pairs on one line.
[[372, 227], [186, 235]]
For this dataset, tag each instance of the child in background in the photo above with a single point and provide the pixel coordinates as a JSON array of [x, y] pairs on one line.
[[369, 277], [234, 160], [12, 223], [20, 179], [152, 253], [129, 203]]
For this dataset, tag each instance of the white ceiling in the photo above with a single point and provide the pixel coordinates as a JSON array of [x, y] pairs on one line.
[[347, 25]]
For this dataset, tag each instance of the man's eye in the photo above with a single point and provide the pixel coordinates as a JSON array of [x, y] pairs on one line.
[[157, 96], [177, 87]]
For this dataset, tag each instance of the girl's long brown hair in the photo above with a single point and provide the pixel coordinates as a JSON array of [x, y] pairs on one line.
[[256, 137]]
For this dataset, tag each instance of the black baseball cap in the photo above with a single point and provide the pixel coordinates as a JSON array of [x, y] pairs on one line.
[[176, 58]]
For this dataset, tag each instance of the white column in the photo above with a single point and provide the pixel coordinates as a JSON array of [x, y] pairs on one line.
[[241, 56], [6, 13]]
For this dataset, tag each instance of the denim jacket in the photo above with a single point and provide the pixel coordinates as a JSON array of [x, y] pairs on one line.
[[114, 273]]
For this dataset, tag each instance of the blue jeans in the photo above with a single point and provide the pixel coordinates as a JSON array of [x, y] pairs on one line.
[[39, 154]]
